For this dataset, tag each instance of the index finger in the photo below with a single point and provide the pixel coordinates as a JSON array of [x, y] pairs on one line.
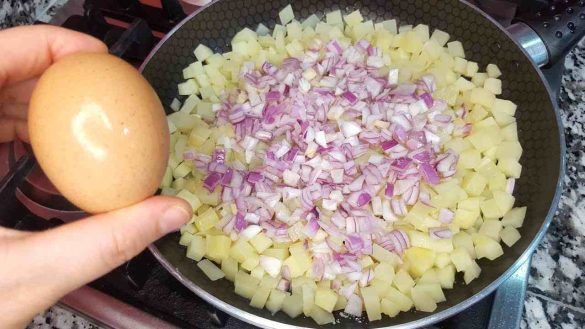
[[29, 50]]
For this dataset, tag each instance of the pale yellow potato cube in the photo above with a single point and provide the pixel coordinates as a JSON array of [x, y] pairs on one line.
[[471, 69], [471, 272], [509, 149], [469, 159], [191, 198], [353, 18], [487, 247], [440, 37], [334, 18], [188, 87], [510, 132], [465, 218], [483, 97], [491, 228], [464, 240], [202, 52], [245, 285], [458, 145], [497, 182], [461, 259], [276, 300], [230, 267], [341, 303], [286, 15], [433, 289], [422, 300], [382, 255], [241, 251], [493, 71], [280, 253], [487, 168], [218, 246], [474, 183], [402, 300], [463, 84], [206, 220], [504, 106], [443, 259], [326, 299], [251, 263], [261, 242], [432, 49], [197, 248], [510, 167], [459, 65], [210, 270], [430, 276], [420, 260], [403, 281], [186, 238], [455, 49], [510, 235], [371, 303], [504, 200], [384, 271], [447, 276], [293, 305], [493, 85], [477, 113], [514, 217], [321, 316], [479, 79], [490, 209], [389, 308], [308, 299], [258, 273]]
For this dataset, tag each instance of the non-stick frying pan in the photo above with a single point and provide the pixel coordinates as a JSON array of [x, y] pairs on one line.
[[539, 125]]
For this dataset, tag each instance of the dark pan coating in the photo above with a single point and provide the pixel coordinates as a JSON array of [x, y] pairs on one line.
[[483, 42]]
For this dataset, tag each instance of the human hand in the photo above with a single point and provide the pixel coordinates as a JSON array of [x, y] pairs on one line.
[[36, 269]]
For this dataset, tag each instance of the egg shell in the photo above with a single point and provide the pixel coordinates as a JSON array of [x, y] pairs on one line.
[[98, 131]]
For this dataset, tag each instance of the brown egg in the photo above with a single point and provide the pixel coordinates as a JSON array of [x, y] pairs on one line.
[[99, 132]]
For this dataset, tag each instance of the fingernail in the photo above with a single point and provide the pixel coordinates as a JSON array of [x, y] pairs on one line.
[[173, 218]]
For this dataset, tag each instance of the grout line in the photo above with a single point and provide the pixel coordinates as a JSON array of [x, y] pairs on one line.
[[548, 299]]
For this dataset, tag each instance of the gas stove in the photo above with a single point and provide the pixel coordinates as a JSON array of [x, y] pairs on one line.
[[141, 293]]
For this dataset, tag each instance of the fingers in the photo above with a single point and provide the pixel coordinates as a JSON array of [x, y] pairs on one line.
[[28, 51], [19, 92], [87, 249], [11, 129]]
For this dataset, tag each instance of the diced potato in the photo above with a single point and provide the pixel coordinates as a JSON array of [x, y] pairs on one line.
[[471, 272], [341, 303], [511, 150], [261, 296], [280, 253], [286, 15], [491, 228], [446, 276], [430, 276], [308, 299], [469, 159], [321, 316], [510, 235], [384, 271], [353, 18], [325, 298], [242, 250], [504, 200], [188, 87], [389, 307], [479, 79], [371, 303], [490, 209], [432, 289], [250, 263], [197, 248], [218, 246], [471, 69], [461, 259], [382, 255], [293, 305], [206, 220], [202, 52], [474, 183], [422, 300], [261, 242], [455, 49], [334, 18], [400, 299], [190, 197], [275, 300], [514, 217], [443, 259], [420, 260], [440, 37], [463, 84], [493, 71], [460, 65], [229, 266], [403, 281], [487, 247], [245, 285], [185, 239], [211, 270], [482, 97], [493, 85], [465, 218], [510, 167]]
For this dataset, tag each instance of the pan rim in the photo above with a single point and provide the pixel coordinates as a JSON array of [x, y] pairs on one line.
[[432, 317]]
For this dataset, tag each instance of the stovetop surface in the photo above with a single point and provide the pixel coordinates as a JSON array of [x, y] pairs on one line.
[[131, 32]]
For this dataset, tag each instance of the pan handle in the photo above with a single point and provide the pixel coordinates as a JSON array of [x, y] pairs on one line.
[[548, 34]]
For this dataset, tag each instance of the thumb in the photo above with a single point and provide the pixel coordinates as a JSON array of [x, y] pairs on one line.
[[82, 251]]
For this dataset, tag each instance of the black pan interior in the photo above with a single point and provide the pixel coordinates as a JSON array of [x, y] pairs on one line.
[[483, 42]]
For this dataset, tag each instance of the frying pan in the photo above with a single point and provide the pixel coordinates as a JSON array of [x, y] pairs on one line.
[[539, 125]]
